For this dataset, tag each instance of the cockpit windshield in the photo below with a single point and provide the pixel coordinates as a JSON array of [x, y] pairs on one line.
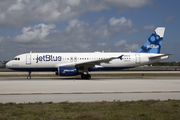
[[16, 58]]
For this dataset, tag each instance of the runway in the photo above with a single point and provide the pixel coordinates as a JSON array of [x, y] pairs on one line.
[[60, 89], [96, 72]]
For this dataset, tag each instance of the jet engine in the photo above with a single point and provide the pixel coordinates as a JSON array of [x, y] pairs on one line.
[[67, 71]]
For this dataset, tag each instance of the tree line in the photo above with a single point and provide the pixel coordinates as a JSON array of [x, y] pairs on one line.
[[3, 63], [166, 64]]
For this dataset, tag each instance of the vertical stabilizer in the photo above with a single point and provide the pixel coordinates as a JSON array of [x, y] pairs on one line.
[[154, 42]]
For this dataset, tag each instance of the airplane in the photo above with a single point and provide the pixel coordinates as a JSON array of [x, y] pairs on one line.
[[72, 64]]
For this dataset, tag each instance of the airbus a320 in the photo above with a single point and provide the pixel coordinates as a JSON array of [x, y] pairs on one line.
[[71, 64]]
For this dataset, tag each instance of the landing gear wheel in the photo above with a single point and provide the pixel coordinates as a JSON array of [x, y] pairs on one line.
[[29, 76], [83, 76], [88, 76]]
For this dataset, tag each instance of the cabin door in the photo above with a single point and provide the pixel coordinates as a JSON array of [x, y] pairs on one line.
[[138, 59], [28, 59]]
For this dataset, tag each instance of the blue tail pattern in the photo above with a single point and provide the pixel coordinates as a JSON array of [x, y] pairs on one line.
[[154, 42]]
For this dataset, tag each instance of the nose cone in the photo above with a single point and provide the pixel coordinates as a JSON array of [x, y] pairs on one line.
[[8, 64]]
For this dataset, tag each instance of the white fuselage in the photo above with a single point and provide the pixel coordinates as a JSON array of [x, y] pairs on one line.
[[51, 61], [70, 64]]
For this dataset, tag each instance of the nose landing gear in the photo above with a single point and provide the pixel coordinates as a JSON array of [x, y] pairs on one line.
[[29, 76]]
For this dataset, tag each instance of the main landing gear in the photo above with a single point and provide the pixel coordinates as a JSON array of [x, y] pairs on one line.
[[29, 76], [86, 76]]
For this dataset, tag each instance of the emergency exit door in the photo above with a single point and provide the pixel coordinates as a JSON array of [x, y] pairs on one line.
[[138, 59], [28, 59]]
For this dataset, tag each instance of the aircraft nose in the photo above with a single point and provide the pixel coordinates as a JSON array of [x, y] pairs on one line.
[[8, 64]]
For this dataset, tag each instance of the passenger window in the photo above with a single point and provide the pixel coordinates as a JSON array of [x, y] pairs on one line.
[[18, 58]]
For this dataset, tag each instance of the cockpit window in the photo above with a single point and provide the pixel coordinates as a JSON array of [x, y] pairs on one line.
[[16, 58]]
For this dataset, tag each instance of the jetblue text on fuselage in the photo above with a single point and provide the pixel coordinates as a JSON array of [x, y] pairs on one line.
[[48, 58]]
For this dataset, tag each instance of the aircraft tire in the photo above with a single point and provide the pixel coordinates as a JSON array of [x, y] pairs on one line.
[[88, 76], [83, 76]]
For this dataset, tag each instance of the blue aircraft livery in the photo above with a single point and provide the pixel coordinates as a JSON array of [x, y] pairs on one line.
[[48, 58], [152, 45]]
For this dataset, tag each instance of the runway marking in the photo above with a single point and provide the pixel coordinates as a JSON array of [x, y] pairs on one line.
[[91, 93]]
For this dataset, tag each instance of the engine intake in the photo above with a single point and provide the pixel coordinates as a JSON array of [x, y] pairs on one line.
[[67, 71]]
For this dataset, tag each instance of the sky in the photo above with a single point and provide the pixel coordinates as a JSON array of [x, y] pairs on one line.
[[86, 26]]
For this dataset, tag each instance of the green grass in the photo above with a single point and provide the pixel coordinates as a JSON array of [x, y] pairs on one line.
[[108, 75], [116, 110]]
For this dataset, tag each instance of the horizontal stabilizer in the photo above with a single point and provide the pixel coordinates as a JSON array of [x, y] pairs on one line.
[[156, 57]]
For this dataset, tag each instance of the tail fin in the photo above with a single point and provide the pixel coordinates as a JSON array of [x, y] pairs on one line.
[[153, 44]]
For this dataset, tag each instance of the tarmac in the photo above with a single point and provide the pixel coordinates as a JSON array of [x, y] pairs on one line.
[[60, 89], [96, 72]]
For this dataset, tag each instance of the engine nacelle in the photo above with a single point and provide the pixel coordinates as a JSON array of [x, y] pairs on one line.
[[67, 71]]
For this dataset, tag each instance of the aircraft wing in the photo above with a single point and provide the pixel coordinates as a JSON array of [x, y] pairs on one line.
[[95, 62], [92, 63]]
